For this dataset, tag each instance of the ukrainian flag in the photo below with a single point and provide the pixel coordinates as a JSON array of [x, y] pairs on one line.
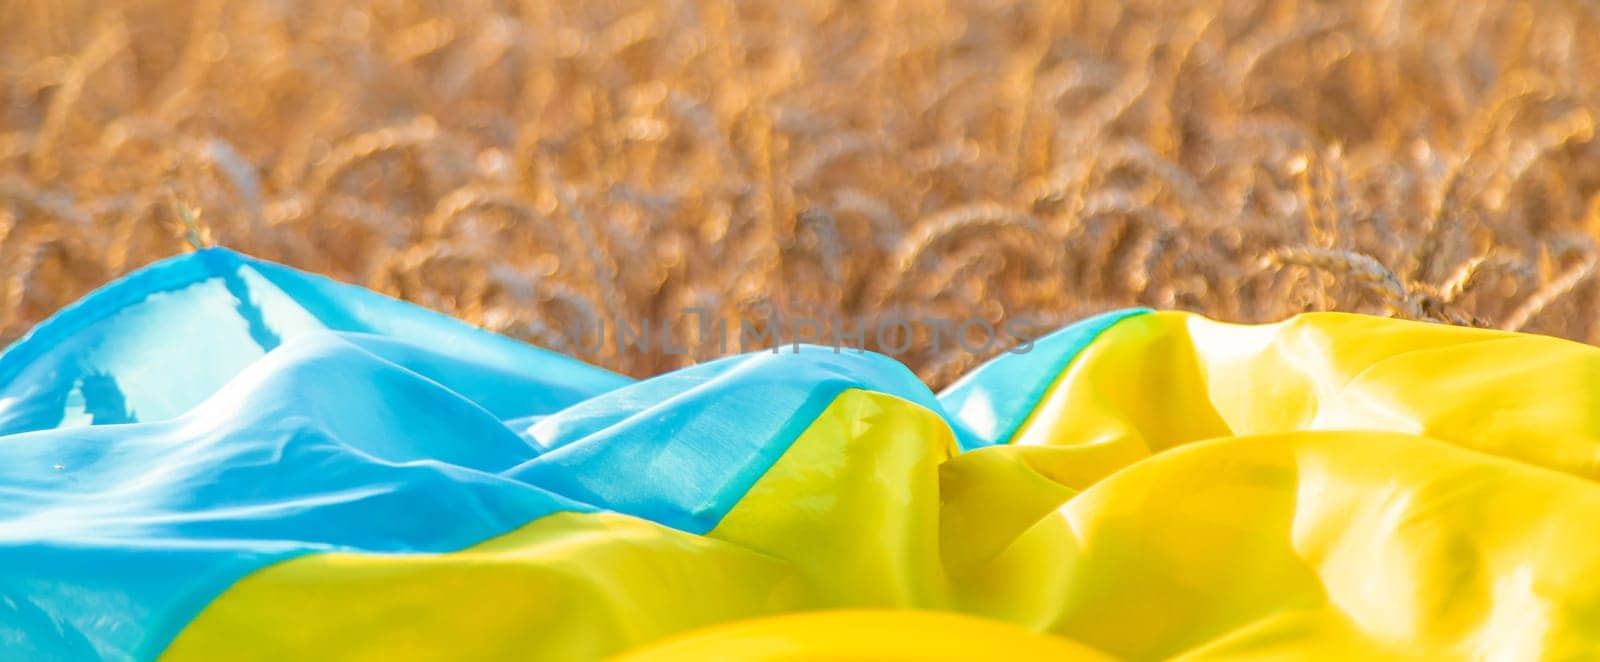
[[222, 458]]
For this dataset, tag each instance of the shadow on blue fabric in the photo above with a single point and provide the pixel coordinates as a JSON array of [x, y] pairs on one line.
[[212, 414]]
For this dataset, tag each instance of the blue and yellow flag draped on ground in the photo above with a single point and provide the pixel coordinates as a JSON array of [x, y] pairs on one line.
[[221, 458]]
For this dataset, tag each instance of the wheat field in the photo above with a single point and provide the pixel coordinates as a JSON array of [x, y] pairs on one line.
[[524, 164]]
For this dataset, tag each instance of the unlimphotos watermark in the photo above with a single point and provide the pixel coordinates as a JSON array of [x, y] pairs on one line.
[[696, 331]]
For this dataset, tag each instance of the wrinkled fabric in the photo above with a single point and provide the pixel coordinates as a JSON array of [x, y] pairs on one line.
[[222, 458]]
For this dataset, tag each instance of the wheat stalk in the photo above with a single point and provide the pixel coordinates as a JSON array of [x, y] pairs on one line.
[[1360, 268], [1550, 293], [368, 146]]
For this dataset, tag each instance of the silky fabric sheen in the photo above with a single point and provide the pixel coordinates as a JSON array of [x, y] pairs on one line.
[[221, 458]]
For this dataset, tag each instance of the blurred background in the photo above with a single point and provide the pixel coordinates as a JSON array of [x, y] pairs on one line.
[[522, 165]]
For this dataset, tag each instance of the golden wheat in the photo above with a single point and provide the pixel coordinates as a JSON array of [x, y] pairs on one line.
[[527, 165]]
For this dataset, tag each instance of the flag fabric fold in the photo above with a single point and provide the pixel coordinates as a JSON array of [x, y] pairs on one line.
[[222, 458]]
